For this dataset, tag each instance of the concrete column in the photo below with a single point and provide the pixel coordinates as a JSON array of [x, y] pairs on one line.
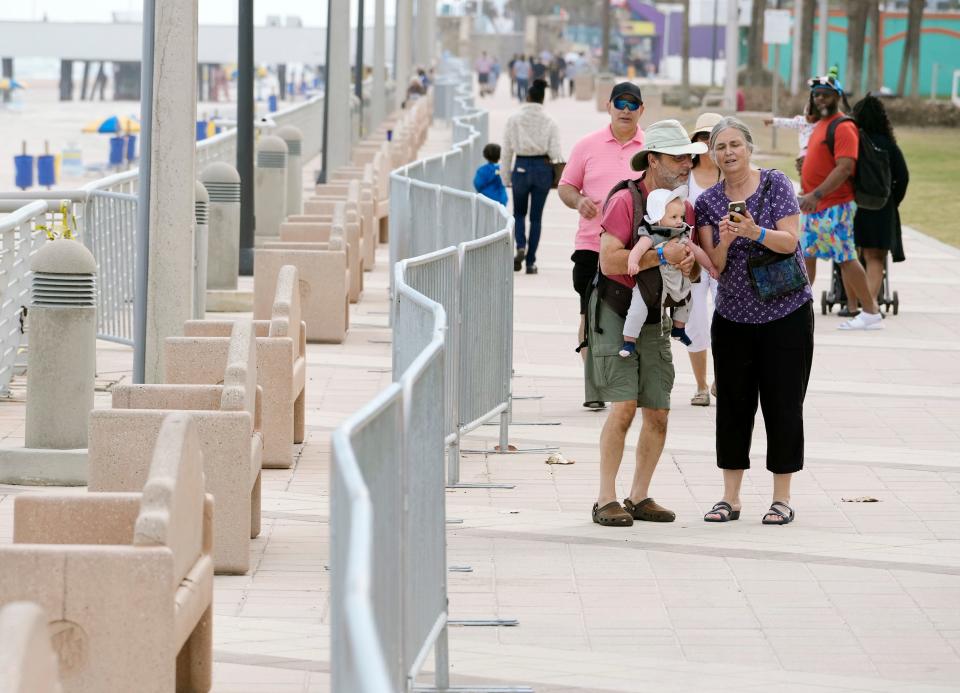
[[731, 49], [201, 235], [66, 80], [270, 186], [8, 72], [338, 87], [223, 225], [172, 178], [293, 137], [425, 32], [404, 45], [378, 94]]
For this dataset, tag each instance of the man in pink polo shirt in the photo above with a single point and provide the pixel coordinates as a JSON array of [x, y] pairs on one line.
[[597, 163]]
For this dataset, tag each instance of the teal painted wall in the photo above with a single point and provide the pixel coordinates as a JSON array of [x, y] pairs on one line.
[[937, 48]]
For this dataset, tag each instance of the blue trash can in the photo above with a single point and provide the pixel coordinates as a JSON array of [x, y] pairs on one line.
[[131, 147], [47, 170], [23, 167], [201, 130], [116, 150], [272, 103]]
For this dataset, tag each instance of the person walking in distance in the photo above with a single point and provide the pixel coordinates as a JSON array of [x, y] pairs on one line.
[[531, 141], [521, 71], [644, 379], [598, 162], [827, 201], [877, 231], [483, 67]]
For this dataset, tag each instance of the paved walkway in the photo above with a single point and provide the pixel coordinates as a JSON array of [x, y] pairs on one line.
[[851, 597]]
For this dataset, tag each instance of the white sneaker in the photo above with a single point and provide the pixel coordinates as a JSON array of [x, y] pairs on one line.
[[863, 321]]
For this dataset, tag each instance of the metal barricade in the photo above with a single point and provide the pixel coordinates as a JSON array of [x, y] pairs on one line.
[[109, 232], [365, 550], [486, 333], [435, 276], [457, 216], [432, 283]]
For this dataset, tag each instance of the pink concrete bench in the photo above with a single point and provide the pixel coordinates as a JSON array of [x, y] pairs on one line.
[[320, 230], [225, 416], [324, 287], [200, 357], [125, 579], [27, 661]]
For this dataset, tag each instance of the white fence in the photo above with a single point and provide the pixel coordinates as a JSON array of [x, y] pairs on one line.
[[425, 216], [451, 265]]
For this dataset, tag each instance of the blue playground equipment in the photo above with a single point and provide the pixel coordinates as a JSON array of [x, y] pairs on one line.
[[47, 170]]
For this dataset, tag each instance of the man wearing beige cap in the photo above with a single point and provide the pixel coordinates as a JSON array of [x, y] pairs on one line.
[[643, 379]]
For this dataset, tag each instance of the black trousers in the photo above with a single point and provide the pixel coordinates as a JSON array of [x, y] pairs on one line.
[[770, 363]]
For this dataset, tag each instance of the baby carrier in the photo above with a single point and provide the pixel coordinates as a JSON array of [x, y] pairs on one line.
[[649, 282]]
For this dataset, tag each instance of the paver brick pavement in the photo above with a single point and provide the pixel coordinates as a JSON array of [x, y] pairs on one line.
[[851, 597]]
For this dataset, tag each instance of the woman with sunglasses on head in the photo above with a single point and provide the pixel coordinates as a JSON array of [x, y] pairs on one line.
[[598, 162], [705, 174]]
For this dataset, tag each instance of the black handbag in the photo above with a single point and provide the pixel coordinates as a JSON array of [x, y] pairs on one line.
[[774, 274]]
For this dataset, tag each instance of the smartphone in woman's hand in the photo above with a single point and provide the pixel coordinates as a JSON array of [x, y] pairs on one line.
[[736, 210]]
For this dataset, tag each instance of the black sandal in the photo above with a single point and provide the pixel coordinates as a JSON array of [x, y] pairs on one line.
[[785, 519], [595, 405], [724, 510]]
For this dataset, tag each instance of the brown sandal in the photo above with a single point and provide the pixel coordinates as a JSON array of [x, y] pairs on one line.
[[648, 510], [611, 515]]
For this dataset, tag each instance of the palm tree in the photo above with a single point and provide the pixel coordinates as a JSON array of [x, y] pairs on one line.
[[806, 40], [755, 67], [857, 12], [911, 49], [874, 76]]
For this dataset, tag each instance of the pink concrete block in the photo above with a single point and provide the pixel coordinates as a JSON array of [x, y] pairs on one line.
[[27, 661], [323, 281], [134, 615]]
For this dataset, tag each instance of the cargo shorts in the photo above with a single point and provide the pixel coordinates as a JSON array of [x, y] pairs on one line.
[[645, 376]]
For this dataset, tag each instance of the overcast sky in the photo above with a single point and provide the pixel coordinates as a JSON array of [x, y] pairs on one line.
[[312, 12]]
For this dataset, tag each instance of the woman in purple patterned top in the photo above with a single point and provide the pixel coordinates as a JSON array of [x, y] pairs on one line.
[[762, 349]]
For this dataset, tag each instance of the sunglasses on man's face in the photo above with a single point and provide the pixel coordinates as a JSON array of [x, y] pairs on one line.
[[628, 104]]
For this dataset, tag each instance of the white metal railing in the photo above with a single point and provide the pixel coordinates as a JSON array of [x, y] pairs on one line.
[[106, 213], [19, 240], [451, 263]]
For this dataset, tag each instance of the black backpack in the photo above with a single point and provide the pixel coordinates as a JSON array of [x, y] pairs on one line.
[[872, 181]]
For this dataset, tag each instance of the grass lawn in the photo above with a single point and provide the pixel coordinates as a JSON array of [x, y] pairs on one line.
[[932, 204]]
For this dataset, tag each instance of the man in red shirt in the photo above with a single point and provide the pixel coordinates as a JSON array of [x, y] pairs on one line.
[[827, 202]]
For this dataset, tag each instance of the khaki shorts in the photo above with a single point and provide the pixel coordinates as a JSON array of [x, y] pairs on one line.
[[646, 376]]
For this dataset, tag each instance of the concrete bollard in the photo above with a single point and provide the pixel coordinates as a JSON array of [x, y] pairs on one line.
[[270, 186], [61, 368], [201, 236], [294, 139], [223, 225]]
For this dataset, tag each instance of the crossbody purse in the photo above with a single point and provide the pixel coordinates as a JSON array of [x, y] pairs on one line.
[[774, 274]]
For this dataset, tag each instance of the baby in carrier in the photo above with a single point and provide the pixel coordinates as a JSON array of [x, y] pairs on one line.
[[663, 222]]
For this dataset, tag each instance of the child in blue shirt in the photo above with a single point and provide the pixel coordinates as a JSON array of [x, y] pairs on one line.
[[487, 179]]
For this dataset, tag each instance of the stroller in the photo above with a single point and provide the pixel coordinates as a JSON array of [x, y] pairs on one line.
[[836, 295]]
